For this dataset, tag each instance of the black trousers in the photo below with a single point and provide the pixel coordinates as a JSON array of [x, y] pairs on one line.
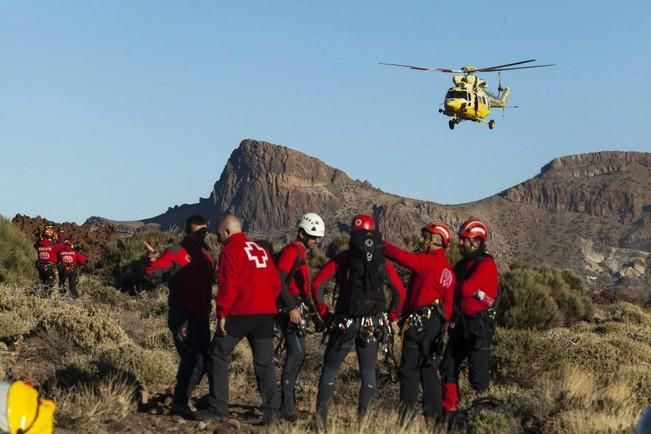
[[191, 333], [72, 276], [471, 338], [339, 345], [258, 331], [295, 355], [419, 366], [46, 275]]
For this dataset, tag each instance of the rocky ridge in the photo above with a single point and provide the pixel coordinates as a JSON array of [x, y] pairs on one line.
[[603, 198]]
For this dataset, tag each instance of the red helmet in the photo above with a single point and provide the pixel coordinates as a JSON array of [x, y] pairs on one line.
[[438, 227], [473, 228], [362, 221]]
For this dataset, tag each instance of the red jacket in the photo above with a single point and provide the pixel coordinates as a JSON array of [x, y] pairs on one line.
[[69, 258], [339, 266], [294, 256], [473, 275], [48, 251], [247, 278], [190, 270], [432, 278]]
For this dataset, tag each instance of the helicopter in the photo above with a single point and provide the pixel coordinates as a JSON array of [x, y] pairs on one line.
[[469, 99]]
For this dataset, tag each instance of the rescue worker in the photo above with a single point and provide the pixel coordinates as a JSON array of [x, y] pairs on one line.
[[190, 271], [47, 250], [427, 308], [474, 322], [248, 287], [360, 316], [70, 261], [295, 296]]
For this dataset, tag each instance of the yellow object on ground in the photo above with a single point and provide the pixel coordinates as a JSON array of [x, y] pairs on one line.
[[22, 410]]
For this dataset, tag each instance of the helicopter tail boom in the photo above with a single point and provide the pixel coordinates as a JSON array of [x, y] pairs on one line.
[[500, 100]]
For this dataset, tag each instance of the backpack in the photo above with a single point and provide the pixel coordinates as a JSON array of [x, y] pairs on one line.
[[366, 273]]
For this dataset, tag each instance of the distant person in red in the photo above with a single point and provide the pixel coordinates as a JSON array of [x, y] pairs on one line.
[[360, 313], [295, 277], [248, 287], [190, 271], [47, 250], [474, 323], [427, 309], [70, 262]]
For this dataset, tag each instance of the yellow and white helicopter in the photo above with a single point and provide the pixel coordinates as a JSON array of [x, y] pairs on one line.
[[469, 99]]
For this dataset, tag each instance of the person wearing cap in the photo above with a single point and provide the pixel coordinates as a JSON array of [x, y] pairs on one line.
[[248, 288], [190, 271], [69, 261], [427, 308], [360, 313], [474, 324], [295, 278]]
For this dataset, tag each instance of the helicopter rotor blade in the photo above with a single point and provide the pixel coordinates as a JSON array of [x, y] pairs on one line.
[[517, 67], [488, 68], [423, 68]]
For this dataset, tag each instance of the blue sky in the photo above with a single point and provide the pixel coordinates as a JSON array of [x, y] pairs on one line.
[[122, 108]]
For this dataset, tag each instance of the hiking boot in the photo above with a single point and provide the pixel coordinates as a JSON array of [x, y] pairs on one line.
[[202, 403], [182, 410]]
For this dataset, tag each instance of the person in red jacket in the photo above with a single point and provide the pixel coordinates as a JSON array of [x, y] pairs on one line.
[[428, 307], [190, 271], [246, 304], [47, 250], [295, 277], [360, 316], [474, 324], [70, 261]]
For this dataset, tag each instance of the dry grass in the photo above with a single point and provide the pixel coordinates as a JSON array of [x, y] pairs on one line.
[[87, 408], [594, 376]]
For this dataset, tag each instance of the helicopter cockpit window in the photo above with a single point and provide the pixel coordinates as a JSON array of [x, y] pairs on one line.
[[460, 94]]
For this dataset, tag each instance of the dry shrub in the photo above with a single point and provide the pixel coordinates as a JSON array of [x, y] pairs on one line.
[[160, 339], [90, 329], [492, 422], [522, 356], [88, 407], [589, 421], [12, 326], [148, 366], [626, 313]]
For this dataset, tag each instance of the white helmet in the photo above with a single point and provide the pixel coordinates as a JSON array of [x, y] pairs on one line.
[[312, 224]]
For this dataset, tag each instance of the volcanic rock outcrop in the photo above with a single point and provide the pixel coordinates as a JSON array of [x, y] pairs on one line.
[[602, 198]]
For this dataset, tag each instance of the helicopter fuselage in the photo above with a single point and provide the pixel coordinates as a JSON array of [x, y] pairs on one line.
[[469, 100]]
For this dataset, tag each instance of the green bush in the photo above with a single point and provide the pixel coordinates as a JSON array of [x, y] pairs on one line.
[[541, 298], [522, 356], [17, 255], [123, 261]]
